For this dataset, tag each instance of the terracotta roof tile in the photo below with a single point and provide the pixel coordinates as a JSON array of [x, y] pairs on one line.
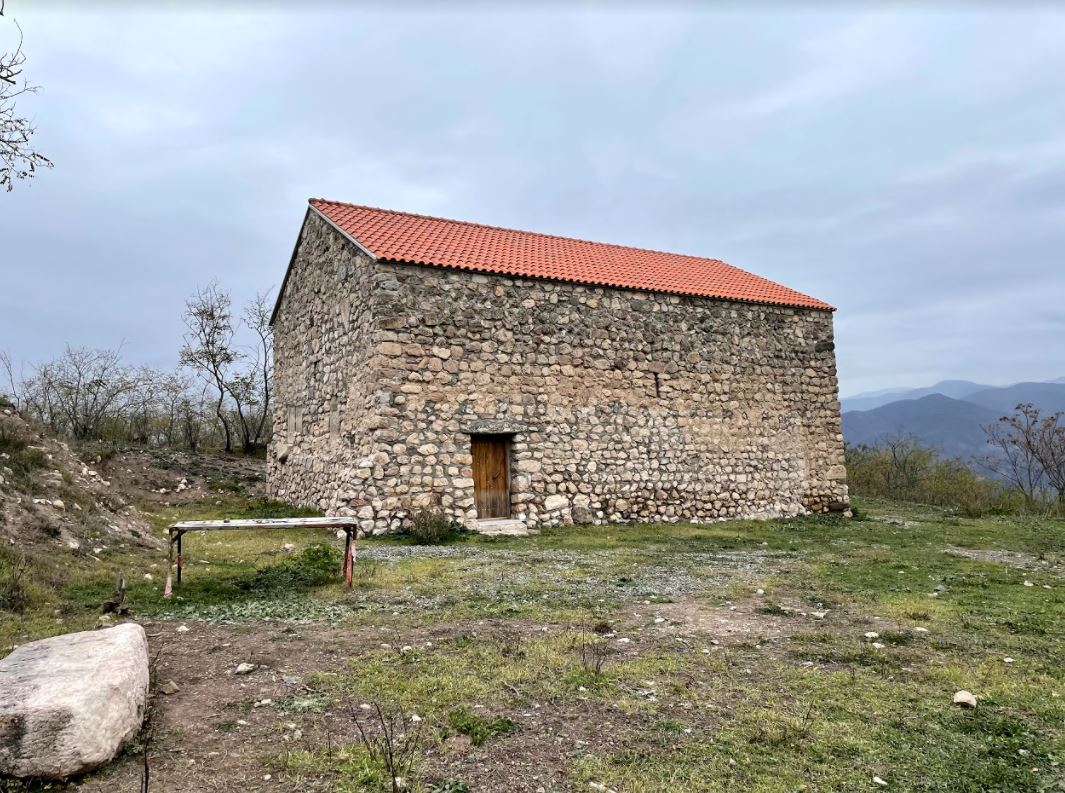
[[418, 239]]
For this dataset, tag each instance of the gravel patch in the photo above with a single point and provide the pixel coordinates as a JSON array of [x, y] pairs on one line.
[[506, 579]]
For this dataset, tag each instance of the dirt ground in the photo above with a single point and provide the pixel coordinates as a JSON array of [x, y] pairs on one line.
[[215, 730], [719, 652]]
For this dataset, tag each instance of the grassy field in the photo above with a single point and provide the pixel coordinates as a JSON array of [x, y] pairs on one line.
[[734, 656]]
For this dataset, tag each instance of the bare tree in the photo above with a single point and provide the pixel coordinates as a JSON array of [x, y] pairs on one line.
[[909, 462], [208, 348], [257, 317], [1034, 450], [18, 159], [6, 365], [83, 391], [1050, 451], [1015, 460], [190, 415]]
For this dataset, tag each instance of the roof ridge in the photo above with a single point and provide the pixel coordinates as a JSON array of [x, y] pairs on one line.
[[533, 233]]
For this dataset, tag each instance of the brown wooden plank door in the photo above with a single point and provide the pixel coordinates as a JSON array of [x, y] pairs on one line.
[[491, 477]]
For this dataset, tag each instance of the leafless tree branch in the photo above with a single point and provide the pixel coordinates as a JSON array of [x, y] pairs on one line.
[[18, 159]]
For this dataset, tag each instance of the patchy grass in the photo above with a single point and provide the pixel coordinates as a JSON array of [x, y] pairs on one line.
[[19, 456], [643, 657]]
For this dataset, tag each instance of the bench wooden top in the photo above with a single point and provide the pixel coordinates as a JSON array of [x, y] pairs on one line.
[[266, 523]]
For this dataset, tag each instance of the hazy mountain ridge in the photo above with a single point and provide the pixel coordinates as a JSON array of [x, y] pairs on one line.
[[956, 389], [948, 416]]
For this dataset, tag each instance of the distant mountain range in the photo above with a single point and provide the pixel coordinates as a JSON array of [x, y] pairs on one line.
[[948, 416]]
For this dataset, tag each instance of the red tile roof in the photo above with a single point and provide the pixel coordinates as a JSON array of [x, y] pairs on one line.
[[418, 239]]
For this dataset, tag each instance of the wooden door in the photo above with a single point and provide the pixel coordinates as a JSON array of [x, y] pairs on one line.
[[491, 477]]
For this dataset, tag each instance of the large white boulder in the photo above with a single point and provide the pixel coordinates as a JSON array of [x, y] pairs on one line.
[[67, 704]]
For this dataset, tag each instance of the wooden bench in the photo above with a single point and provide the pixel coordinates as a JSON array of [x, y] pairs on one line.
[[178, 530]]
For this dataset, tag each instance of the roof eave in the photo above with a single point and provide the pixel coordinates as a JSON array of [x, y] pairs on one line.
[[603, 285]]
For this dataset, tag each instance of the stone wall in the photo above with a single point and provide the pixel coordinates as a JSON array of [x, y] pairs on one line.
[[322, 389], [620, 405]]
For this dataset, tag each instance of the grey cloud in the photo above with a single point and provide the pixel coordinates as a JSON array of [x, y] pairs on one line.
[[906, 166]]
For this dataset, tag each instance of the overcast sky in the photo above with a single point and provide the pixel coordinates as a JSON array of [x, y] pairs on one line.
[[906, 166]]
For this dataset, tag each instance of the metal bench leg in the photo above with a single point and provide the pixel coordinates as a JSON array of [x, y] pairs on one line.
[[349, 562], [169, 563], [179, 559]]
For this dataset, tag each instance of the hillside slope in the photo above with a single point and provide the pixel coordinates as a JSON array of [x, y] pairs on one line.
[[953, 426], [1048, 397], [955, 389], [50, 500]]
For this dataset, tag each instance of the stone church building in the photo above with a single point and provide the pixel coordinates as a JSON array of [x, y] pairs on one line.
[[512, 379]]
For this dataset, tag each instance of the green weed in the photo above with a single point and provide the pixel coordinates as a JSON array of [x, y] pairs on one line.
[[478, 728]]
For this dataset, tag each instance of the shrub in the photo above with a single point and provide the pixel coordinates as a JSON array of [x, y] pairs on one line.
[[477, 728], [225, 484], [450, 786], [21, 458], [14, 596], [315, 565], [433, 528], [904, 470]]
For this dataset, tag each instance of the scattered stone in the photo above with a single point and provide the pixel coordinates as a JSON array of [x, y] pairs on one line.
[[872, 635], [818, 615], [244, 668], [1007, 660], [1028, 583], [183, 629], [878, 646], [169, 687], [965, 699], [920, 630], [878, 781], [69, 703]]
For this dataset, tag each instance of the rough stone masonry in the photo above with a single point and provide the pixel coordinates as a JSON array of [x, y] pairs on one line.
[[617, 404]]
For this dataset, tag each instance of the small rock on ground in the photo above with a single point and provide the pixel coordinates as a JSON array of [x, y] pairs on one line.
[[965, 699]]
